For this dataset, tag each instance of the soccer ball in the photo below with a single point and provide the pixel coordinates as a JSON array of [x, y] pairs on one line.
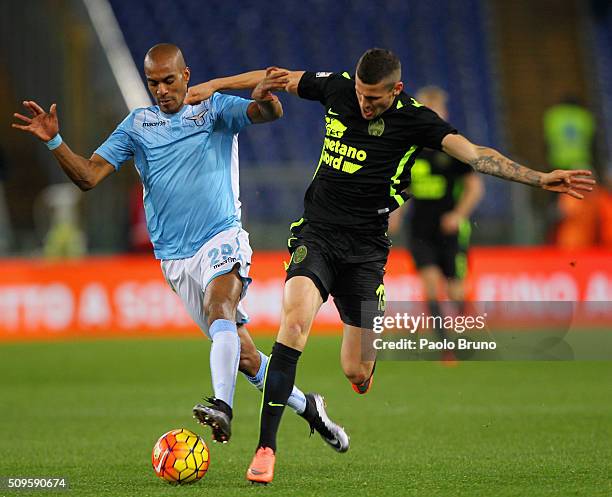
[[180, 456]]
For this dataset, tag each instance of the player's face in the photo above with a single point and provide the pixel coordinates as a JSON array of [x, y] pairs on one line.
[[168, 85], [376, 99]]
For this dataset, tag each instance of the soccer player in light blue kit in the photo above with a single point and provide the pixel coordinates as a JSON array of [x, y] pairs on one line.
[[187, 159]]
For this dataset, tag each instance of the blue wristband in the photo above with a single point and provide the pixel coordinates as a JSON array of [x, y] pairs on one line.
[[54, 142]]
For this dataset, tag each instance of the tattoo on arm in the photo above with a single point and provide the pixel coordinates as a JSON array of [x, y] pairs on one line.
[[491, 162]]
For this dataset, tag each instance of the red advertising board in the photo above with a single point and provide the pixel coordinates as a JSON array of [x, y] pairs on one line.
[[125, 296]]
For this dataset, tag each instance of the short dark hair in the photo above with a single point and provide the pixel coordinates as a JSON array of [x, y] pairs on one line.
[[376, 64]]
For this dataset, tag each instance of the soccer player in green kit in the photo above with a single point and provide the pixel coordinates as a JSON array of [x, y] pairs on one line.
[[374, 132]]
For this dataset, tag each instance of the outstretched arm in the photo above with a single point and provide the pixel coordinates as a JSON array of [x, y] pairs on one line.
[[489, 161], [266, 106], [85, 173], [294, 80], [244, 81]]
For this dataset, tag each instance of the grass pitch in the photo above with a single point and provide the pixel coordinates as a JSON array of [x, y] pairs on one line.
[[91, 411]]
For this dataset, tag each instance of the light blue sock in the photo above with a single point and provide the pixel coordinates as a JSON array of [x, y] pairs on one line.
[[224, 357], [297, 399]]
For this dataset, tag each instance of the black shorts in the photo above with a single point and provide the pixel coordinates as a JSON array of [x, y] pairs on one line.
[[344, 263], [449, 253]]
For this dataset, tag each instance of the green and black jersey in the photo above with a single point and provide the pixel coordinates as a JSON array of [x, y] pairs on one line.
[[437, 184], [365, 165]]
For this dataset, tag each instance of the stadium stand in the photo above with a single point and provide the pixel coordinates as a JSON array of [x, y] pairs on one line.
[[600, 30], [441, 48], [440, 42]]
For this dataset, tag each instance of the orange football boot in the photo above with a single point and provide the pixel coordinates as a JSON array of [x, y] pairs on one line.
[[364, 387], [261, 469]]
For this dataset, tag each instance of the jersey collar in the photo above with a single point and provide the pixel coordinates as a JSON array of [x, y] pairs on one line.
[[176, 115]]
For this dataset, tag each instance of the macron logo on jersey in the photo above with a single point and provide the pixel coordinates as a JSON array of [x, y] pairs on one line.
[[153, 124], [147, 118], [225, 261]]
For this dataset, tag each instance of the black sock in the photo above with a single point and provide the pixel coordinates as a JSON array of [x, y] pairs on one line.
[[309, 411], [280, 378]]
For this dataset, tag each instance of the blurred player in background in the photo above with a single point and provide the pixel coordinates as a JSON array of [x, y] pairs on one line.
[[569, 131], [446, 192], [187, 159], [374, 132]]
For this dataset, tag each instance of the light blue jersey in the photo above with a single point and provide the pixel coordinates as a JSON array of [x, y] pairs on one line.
[[188, 164]]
